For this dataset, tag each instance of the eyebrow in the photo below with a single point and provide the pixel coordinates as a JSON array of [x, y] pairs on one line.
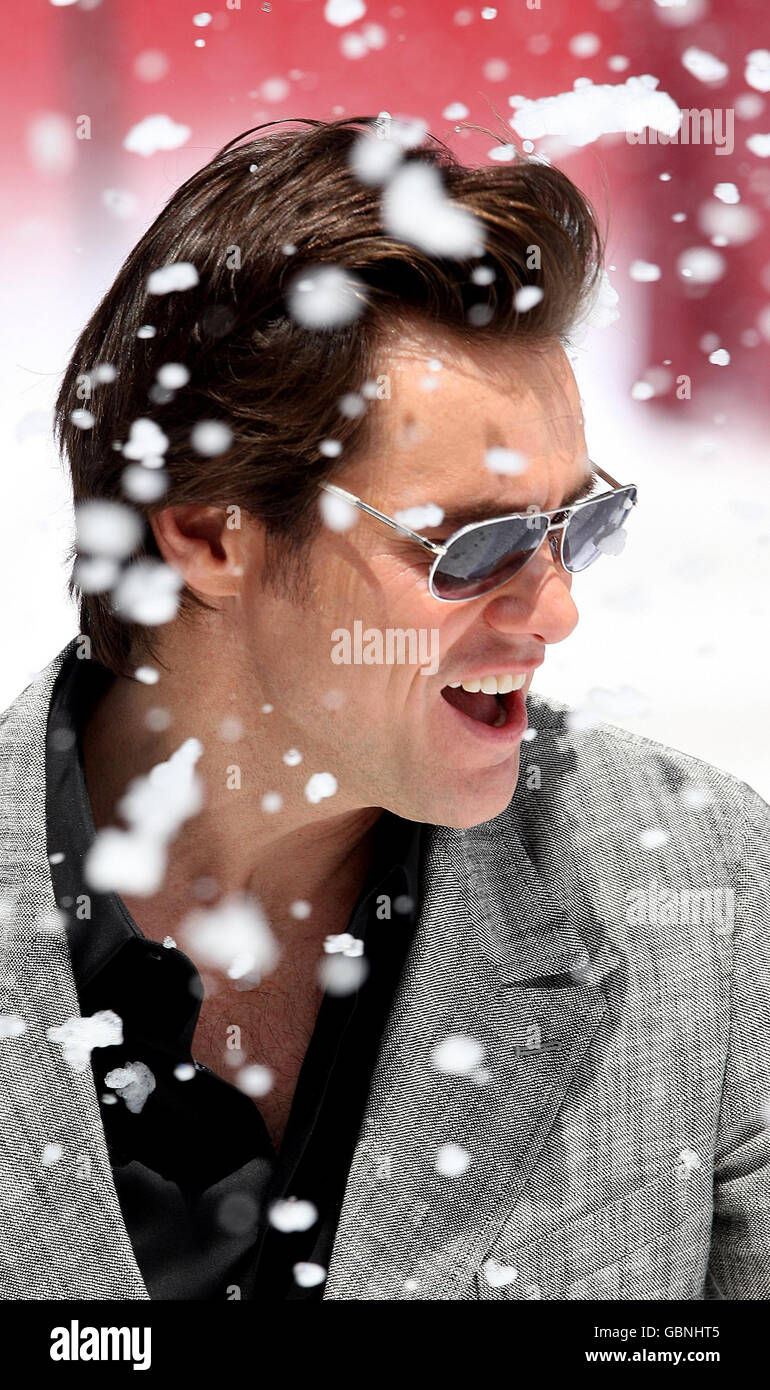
[[487, 511]]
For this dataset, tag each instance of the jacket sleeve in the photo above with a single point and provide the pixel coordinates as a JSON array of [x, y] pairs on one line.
[[739, 1261]]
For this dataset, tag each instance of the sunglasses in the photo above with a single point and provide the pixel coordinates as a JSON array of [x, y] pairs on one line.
[[484, 555]]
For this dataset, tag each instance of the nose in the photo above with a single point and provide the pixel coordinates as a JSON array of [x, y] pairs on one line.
[[537, 601]]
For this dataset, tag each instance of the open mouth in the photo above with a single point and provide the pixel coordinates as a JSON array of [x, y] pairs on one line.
[[493, 708]]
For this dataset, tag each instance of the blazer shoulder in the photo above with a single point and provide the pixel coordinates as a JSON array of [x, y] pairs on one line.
[[24, 720], [604, 756]]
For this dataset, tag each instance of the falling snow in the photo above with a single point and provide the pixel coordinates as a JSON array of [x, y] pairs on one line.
[[79, 1036], [590, 111]]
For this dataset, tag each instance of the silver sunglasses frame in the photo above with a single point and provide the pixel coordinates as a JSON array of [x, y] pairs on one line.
[[438, 550]]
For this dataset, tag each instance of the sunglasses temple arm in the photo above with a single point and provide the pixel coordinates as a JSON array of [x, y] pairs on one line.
[[387, 520], [607, 479]]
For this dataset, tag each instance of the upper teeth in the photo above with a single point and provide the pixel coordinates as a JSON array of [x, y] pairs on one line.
[[491, 685]]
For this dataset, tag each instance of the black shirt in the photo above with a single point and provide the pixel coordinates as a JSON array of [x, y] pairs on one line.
[[193, 1164]]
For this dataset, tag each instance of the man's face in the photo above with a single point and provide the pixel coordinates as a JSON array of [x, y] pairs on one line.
[[385, 730]]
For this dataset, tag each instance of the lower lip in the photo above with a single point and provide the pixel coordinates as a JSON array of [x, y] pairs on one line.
[[507, 734]]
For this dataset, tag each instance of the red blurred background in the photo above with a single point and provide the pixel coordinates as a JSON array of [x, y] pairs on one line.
[[117, 61]]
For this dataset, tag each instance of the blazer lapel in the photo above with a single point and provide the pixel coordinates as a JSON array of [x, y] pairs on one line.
[[496, 960]]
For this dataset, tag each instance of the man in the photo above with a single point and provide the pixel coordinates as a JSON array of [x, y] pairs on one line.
[[321, 979]]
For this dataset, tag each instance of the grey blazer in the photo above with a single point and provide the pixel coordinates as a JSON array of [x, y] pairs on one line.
[[612, 1140]]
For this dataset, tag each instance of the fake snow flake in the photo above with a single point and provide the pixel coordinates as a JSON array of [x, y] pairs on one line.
[[300, 909], [421, 518], [336, 513], [155, 133], [734, 223], [146, 331], [704, 65], [133, 1082], [254, 1080], [146, 441], [51, 1155], [95, 575], [320, 786], [237, 1213], [147, 593], [51, 143], [527, 297], [172, 375], [124, 862], [590, 111], [507, 461], [452, 1160], [343, 12], [720, 358], [498, 1276], [359, 43], [689, 1162], [326, 297], [271, 802], [177, 275], [155, 807], [330, 448], [457, 1055], [120, 202], [12, 1026], [233, 937], [140, 483], [292, 757], [342, 974], [147, 675], [584, 45], [727, 193], [345, 943], [79, 1036], [759, 145], [211, 438], [307, 1274], [502, 154], [701, 264], [695, 796], [351, 405], [416, 209], [455, 111], [645, 272], [757, 73], [654, 839], [373, 159], [185, 1071], [83, 419], [107, 529], [150, 65], [642, 391], [202, 19], [292, 1214]]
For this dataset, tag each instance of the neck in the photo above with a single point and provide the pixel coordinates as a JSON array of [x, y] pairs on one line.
[[316, 853]]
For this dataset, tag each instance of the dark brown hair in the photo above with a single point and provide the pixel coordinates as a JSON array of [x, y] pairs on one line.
[[275, 383]]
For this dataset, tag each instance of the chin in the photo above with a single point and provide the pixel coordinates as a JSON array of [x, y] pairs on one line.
[[474, 802]]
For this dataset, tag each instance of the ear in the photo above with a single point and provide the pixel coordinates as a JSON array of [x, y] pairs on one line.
[[198, 543]]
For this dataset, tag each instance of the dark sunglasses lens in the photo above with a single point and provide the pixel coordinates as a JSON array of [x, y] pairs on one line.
[[593, 524], [487, 556]]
